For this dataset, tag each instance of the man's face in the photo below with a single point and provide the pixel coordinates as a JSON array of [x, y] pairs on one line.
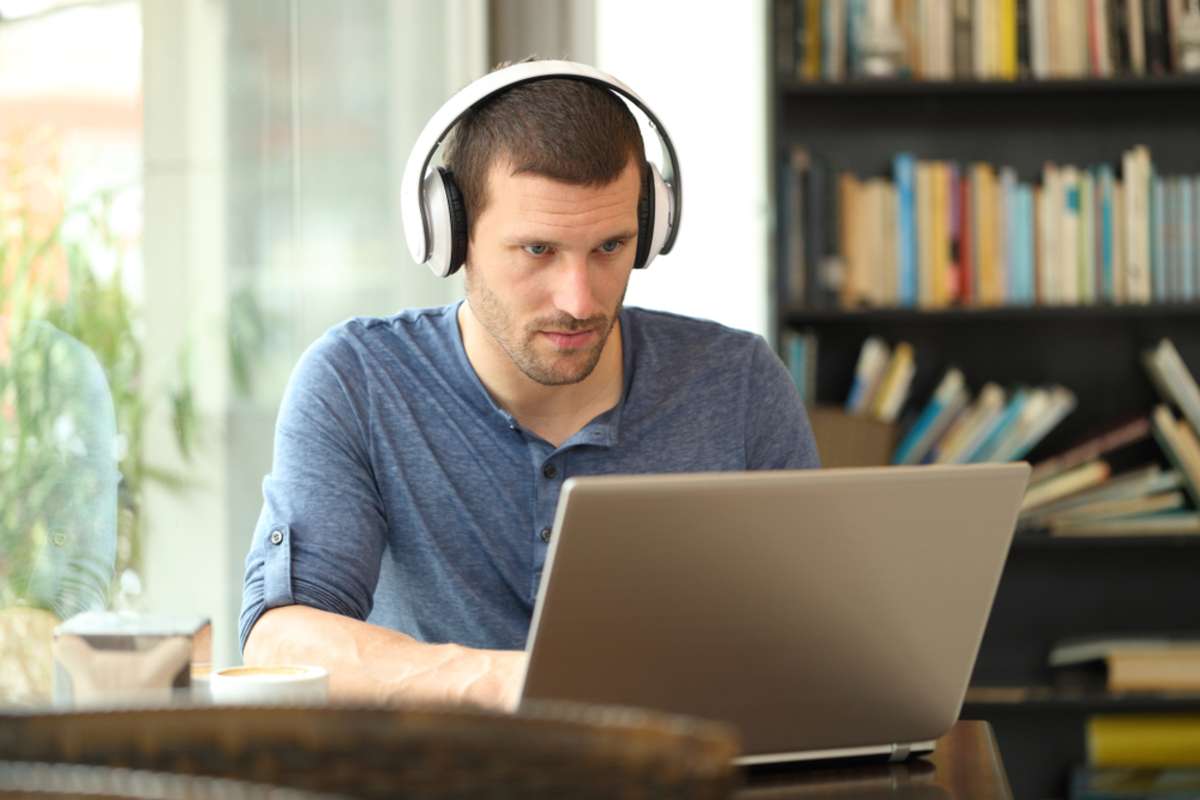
[[547, 268]]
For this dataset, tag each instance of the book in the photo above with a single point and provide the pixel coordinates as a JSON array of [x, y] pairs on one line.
[[1088, 513], [872, 361], [1143, 740], [794, 192], [1174, 381], [1158, 234], [1166, 432], [801, 350], [904, 167], [1009, 441], [1136, 483], [1107, 221], [1134, 783], [1192, 231], [948, 399], [1004, 426], [1180, 523], [967, 432], [1129, 664], [1060, 402], [1075, 480], [894, 386], [1104, 443], [1136, 166], [1068, 242]]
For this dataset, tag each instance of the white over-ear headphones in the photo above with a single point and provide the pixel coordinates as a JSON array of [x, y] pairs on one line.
[[431, 206]]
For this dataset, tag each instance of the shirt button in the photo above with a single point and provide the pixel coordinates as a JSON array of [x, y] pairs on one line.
[[550, 471], [545, 535], [276, 537]]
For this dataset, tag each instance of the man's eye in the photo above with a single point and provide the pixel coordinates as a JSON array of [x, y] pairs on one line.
[[611, 247], [536, 249]]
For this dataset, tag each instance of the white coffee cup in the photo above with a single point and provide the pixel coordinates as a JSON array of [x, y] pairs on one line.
[[268, 685]]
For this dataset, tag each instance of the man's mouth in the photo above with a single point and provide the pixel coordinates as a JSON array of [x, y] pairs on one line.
[[572, 340]]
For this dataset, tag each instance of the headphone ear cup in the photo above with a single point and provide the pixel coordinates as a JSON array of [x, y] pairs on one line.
[[458, 221], [645, 212], [658, 224]]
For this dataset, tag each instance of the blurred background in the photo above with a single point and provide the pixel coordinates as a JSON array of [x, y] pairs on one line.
[[196, 189]]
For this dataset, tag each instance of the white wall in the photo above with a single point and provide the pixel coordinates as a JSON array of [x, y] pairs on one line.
[[702, 66]]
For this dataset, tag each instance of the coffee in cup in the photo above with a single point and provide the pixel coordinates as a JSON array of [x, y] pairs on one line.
[[266, 685]]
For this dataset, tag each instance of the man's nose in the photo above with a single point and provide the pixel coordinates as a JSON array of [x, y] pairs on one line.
[[574, 293]]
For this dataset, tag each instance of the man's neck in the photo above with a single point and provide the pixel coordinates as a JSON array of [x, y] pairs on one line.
[[553, 412]]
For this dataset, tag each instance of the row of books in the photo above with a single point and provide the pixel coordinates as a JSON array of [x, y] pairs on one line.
[[953, 427], [833, 40], [1104, 486], [939, 234], [1080, 493]]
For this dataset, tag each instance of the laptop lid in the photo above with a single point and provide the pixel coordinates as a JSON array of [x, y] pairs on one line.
[[816, 610]]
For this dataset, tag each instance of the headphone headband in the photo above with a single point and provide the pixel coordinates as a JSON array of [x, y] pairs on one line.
[[413, 213]]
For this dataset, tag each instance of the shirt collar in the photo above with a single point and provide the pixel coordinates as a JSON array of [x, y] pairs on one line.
[[601, 431]]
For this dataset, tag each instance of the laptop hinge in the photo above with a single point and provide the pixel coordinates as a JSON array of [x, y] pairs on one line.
[[900, 752]]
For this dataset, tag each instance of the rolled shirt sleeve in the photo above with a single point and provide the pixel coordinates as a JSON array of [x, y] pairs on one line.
[[323, 526]]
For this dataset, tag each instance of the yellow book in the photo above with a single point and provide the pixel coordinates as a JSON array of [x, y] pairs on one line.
[[812, 40], [1143, 740], [895, 381], [1008, 39], [1172, 438], [989, 276]]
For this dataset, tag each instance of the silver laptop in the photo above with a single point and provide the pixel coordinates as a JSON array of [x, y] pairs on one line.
[[825, 613]]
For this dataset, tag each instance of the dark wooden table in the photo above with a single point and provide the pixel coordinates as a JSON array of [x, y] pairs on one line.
[[966, 764]]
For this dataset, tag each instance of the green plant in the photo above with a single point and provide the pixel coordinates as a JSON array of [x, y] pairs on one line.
[[68, 523]]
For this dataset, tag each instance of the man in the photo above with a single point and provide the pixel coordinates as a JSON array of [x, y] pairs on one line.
[[419, 458]]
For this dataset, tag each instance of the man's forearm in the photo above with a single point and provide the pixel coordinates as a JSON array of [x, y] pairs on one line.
[[373, 664]]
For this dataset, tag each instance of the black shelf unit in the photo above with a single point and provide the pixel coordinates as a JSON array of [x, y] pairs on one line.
[[1051, 588]]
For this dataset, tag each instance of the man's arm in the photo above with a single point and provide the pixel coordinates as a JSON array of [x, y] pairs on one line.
[[372, 664]]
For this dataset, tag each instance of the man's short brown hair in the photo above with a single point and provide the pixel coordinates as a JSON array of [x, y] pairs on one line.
[[563, 129]]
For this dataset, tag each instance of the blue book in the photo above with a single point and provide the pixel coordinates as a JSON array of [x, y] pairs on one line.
[[1016, 247], [1008, 418], [1185, 288], [1195, 231], [1008, 192], [856, 25], [918, 441], [1107, 254], [1028, 245], [1158, 238], [904, 172], [797, 358]]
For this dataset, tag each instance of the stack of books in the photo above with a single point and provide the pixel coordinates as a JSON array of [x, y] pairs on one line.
[[940, 234], [1078, 492], [832, 40], [1124, 664]]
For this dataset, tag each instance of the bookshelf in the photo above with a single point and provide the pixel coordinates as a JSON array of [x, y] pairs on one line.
[[1051, 588]]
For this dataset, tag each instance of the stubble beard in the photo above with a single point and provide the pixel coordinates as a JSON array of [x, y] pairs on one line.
[[559, 369]]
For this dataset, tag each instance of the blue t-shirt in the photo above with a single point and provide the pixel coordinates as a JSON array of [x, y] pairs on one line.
[[403, 495]]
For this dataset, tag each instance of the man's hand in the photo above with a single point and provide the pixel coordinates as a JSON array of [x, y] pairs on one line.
[[371, 664]]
